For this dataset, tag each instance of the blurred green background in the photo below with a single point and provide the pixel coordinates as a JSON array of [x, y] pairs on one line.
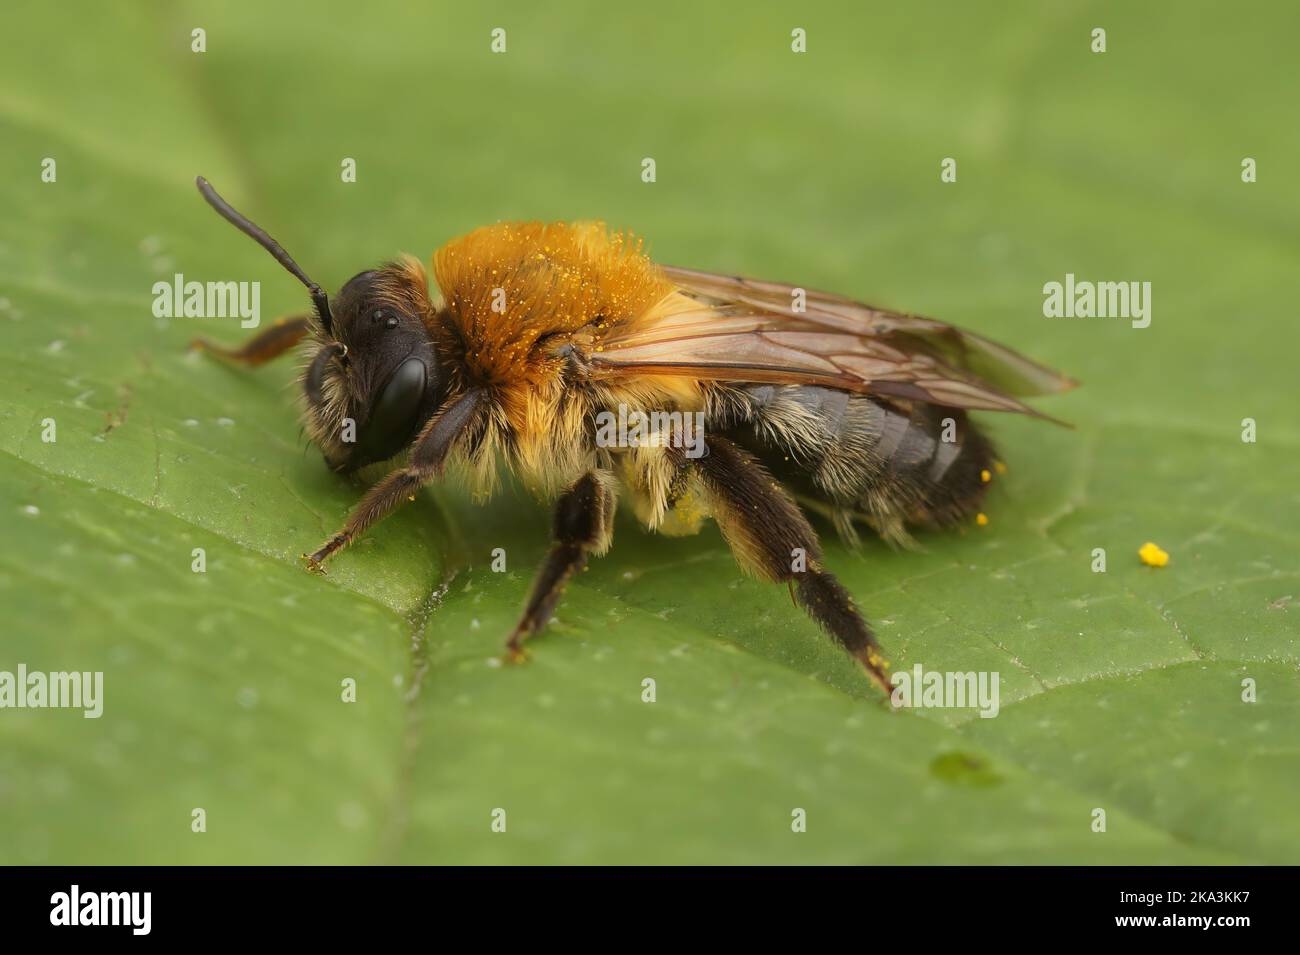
[[1120, 691]]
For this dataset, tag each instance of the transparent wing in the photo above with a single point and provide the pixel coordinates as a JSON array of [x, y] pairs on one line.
[[735, 329]]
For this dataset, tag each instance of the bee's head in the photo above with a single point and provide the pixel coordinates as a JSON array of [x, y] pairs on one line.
[[374, 379]]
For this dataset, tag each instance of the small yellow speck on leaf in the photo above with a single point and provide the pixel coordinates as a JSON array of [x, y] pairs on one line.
[[985, 476], [981, 519], [999, 467], [1152, 555]]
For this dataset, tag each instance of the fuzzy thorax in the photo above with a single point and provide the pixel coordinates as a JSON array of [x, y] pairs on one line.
[[523, 305]]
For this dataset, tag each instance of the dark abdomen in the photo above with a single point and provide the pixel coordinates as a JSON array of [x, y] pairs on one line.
[[889, 463]]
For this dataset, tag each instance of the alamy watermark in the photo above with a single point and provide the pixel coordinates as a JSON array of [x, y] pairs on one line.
[[1075, 299], [75, 907], [58, 690], [181, 299], [634, 428], [940, 689]]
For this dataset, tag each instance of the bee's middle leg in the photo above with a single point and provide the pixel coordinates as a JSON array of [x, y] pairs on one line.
[[583, 525]]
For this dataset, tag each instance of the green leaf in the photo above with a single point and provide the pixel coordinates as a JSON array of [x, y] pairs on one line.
[[1120, 691]]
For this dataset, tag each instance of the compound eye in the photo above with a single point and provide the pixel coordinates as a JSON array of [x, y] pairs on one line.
[[384, 316], [393, 419]]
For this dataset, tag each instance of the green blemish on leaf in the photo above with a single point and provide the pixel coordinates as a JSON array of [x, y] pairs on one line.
[[964, 769]]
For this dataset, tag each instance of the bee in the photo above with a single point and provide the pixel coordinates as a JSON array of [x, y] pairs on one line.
[[810, 401]]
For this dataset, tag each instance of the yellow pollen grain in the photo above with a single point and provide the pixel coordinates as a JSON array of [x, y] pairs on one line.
[[1153, 555], [985, 476], [999, 467], [981, 519]]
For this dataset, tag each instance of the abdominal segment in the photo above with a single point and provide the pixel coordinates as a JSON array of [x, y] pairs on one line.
[[886, 462]]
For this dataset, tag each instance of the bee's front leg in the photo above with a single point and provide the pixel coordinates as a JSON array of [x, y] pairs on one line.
[[584, 525], [429, 454], [271, 342]]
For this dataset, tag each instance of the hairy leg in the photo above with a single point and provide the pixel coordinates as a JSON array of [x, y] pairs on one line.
[[271, 342], [584, 525], [771, 538], [429, 454]]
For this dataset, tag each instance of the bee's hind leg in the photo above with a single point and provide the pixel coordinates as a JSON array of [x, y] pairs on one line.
[[271, 342], [770, 536], [584, 525]]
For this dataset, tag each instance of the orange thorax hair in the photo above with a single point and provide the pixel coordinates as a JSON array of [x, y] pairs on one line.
[[505, 286]]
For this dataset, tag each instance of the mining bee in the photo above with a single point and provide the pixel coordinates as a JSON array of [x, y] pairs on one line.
[[857, 413]]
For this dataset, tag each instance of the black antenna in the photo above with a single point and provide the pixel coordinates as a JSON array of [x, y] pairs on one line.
[[257, 234]]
